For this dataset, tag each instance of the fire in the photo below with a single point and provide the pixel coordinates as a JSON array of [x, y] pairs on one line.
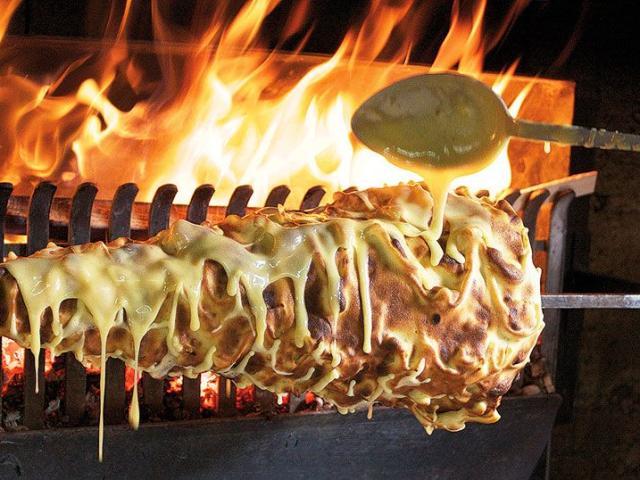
[[223, 109], [174, 385], [12, 363], [216, 106], [209, 391]]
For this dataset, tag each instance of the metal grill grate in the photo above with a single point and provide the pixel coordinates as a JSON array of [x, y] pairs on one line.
[[43, 220]]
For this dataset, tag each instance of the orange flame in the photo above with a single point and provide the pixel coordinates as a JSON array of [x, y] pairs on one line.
[[175, 385], [223, 111], [209, 391], [12, 361]]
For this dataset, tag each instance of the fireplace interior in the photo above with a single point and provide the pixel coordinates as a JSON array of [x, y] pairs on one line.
[[206, 427]]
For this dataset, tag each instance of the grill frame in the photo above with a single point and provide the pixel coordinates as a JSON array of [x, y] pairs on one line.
[[551, 199]]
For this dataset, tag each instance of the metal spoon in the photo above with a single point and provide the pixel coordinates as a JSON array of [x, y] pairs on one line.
[[454, 122]]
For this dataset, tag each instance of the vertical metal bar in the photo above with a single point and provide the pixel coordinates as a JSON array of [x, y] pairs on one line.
[[159, 212], [119, 226], [556, 267], [37, 239], [512, 196], [196, 213], [226, 389], [75, 377], [239, 200], [312, 198], [531, 211], [5, 193], [277, 196], [197, 209], [558, 229]]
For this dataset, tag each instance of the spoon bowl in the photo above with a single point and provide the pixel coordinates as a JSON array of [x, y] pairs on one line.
[[437, 121], [456, 125]]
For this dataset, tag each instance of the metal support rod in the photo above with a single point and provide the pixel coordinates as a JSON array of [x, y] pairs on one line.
[[37, 238], [152, 388], [119, 226], [590, 300], [75, 378]]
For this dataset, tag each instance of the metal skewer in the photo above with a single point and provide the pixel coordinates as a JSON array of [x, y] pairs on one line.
[[590, 300]]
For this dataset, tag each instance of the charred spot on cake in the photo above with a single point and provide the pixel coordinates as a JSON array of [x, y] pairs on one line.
[[269, 297], [396, 244], [435, 319], [519, 358], [451, 265], [215, 277], [153, 348], [315, 285], [46, 329], [372, 265], [446, 351], [342, 301], [119, 338], [255, 364], [67, 309], [514, 319], [506, 207], [483, 313], [319, 327], [500, 388], [389, 351], [188, 343], [508, 271]]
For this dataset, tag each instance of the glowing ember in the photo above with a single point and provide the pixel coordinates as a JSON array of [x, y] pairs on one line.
[[13, 361], [222, 111], [129, 378], [209, 391], [174, 385], [245, 396]]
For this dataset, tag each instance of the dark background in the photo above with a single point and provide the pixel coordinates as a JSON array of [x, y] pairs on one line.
[[595, 43]]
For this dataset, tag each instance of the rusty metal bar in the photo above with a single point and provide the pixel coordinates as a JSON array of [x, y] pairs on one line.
[[37, 238], [196, 213], [277, 196], [555, 274], [582, 184], [17, 210], [569, 301], [226, 389], [119, 226], [239, 201], [153, 388], [531, 211], [75, 377], [5, 193], [312, 198]]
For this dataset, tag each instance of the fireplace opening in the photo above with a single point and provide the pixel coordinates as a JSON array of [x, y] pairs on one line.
[[205, 109]]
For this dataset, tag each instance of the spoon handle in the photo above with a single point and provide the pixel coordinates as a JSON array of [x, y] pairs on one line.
[[580, 136]]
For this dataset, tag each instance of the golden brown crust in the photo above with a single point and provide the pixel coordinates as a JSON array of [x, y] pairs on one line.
[[446, 340]]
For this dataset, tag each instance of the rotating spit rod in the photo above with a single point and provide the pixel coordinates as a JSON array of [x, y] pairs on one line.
[[590, 300]]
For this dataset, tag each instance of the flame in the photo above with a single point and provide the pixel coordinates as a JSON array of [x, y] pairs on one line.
[[174, 385], [224, 109], [209, 382], [12, 363]]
